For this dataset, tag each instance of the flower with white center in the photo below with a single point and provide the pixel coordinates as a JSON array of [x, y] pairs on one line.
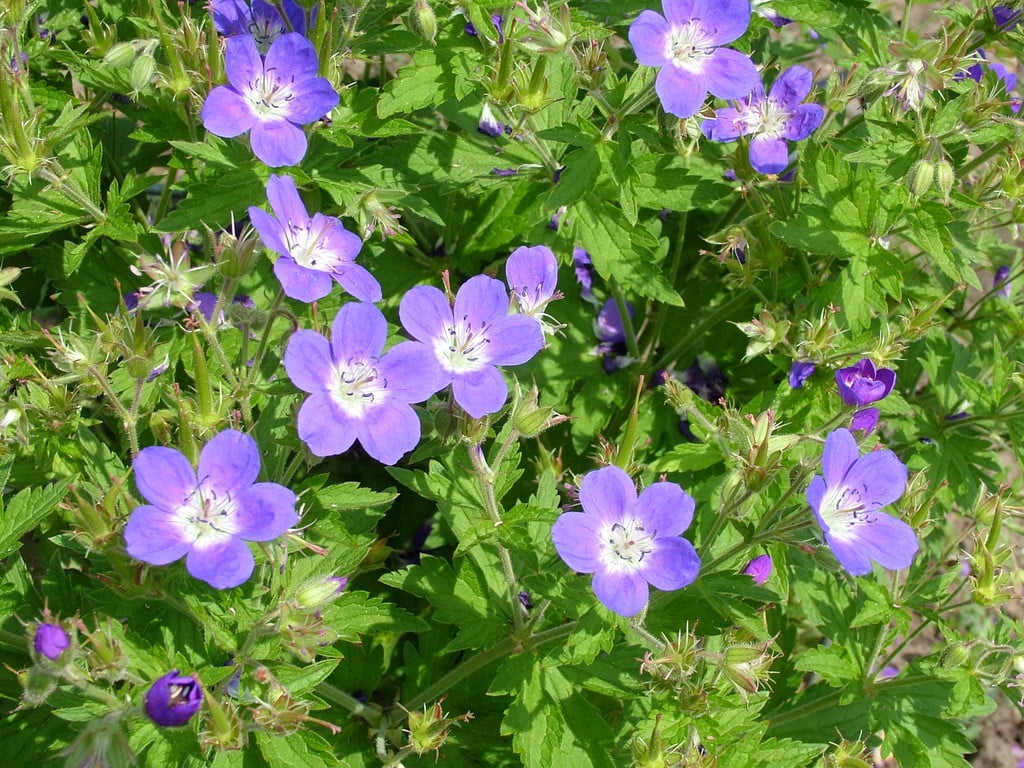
[[355, 391], [772, 120], [687, 44], [270, 97], [626, 541], [532, 276], [847, 500], [206, 516], [315, 252], [470, 340]]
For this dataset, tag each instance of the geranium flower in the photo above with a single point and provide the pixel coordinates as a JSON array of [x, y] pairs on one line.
[[772, 120], [800, 372], [206, 517], [611, 332], [271, 97], [847, 500], [315, 252], [759, 569], [355, 392], [685, 43], [173, 699], [1001, 280], [628, 542], [471, 340], [861, 384], [50, 640], [532, 275], [258, 19], [865, 420]]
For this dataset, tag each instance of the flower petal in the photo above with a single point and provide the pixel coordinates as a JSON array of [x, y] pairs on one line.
[[155, 536], [242, 62], [624, 593], [481, 299], [269, 230], [730, 74], [358, 332], [681, 93], [576, 536], [308, 361], [480, 392], [424, 312], [265, 511], [164, 476], [880, 477], [815, 493], [229, 463], [678, 12], [300, 283], [850, 554], [316, 98], [727, 125], [532, 271], [412, 372], [225, 113], [792, 86], [222, 565], [647, 35], [292, 57], [672, 565], [285, 201], [324, 427], [358, 282], [888, 540], [390, 431], [665, 509], [723, 20], [803, 120], [514, 339], [608, 493], [768, 155], [277, 142], [839, 455]]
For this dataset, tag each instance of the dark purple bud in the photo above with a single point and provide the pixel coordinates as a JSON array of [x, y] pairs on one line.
[[865, 420], [1006, 18], [861, 384], [51, 640], [957, 416], [686, 432], [524, 600], [173, 699], [471, 29], [584, 272], [557, 175], [1002, 280], [800, 372], [759, 569], [504, 171], [705, 379]]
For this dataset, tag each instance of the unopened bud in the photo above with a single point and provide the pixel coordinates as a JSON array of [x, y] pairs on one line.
[[120, 55], [143, 69], [319, 593], [428, 730], [921, 177], [747, 665], [423, 21], [945, 177], [36, 686]]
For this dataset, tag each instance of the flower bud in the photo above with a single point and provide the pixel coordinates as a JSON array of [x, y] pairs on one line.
[[759, 569], [51, 640], [528, 417], [920, 178], [954, 656], [746, 666], [423, 21], [102, 743], [226, 730], [319, 593], [141, 75], [428, 730], [36, 686], [119, 55], [945, 177], [173, 699]]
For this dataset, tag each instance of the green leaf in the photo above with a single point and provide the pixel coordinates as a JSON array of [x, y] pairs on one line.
[[304, 748], [356, 614], [25, 511]]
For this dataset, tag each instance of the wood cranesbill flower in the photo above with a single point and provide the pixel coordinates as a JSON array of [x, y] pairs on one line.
[[260, 20], [626, 541], [771, 119], [470, 340], [173, 699], [269, 97], [759, 569], [532, 276], [357, 393], [846, 500], [314, 252], [206, 516], [862, 384], [686, 43], [50, 640], [800, 372]]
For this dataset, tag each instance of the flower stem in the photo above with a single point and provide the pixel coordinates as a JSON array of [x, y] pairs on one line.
[[695, 336], [627, 321], [337, 696]]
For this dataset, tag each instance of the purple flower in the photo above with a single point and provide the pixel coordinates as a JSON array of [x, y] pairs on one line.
[[260, 20], [496, 20], [584, 269], [861, 384], [173, 699], [865, 420], [270, 97], [611, 332], [51, 640], [489, 125], [469, 341], [206, 517], [800, 372], [685, 44], [315, 252], [532, 276], [1001, 280], [772, 120], [356, 393], [628, 542], [846, 503], [1006, 18], [704, 378], [759, 569], [205, 302]]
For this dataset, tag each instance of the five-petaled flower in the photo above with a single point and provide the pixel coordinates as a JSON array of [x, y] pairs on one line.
[[847, 500], [355, 392], [628, 542], [258, 19], [173, 699], [772, 120], [862, 384], [470, 340], [315, 252], [206, 517], [532, 275], [685, 43], [270, 97]]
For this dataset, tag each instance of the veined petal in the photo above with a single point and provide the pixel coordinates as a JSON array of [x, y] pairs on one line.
[[424, 312], [389, 432], [223, 564], [730, 74], [358, 282], [481, 299], [681, 93], [292, 57], [576, 536], [480, 392], [792, 86], [624, 593], [225, 113], [889, 541], [665, 509], [850, 554], [514, 339], [300, 283], [803, 120], [815, 493], [608, 493], [277, 142], [229, 462], [155, 536], [647, 35], [768, 155], [678, 11], [308, 361], [532, 271], [265, 511], [164, 476], [723, 20], [285, 201], [672, 565], [839, 455], [343, 245], [312, 101], [412, 372], [880, 477], [727, 125], [324, 427], [269, 230], [358, 332], [242, 61]]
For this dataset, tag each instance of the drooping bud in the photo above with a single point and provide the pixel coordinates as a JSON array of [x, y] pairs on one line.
[[920, 178], [142, 71], [759, 569], [945, 177], [119, 55], [173, 699], [423, 21], [50, 640]]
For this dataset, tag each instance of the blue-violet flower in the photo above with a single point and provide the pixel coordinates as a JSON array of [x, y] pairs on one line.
[[173, 699], [759, 569], [628, 542], [532, 276], [50, 640], [800, 372], [861, 384], [847, 500], [259, 19]]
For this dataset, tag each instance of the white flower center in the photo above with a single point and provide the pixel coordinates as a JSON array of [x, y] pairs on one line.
[[625, 544], [306, 245], [358, 386], [269, 96], [688, 46], [208, 519], [766, 118], [463, 348], [844, 510]]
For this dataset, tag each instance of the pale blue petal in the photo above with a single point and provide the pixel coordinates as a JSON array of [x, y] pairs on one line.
[[608, 493], [768, 155], [839, 455], [300, 283], [277, 142], [624, 593], [412, 372], [480, 300], [722, 20], [155, 536], [665, 509], [308, 361], [681, 93], [879, 477], [480, 392], [358, 332], [389, 431], [513, 339], [730, 74], [223, 565], [577, 541], [265, 511], [648, 35], [226, 113], [672, 565], [228, 463], [425, 312], [323, 427], [164, 476], [292, 57]]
